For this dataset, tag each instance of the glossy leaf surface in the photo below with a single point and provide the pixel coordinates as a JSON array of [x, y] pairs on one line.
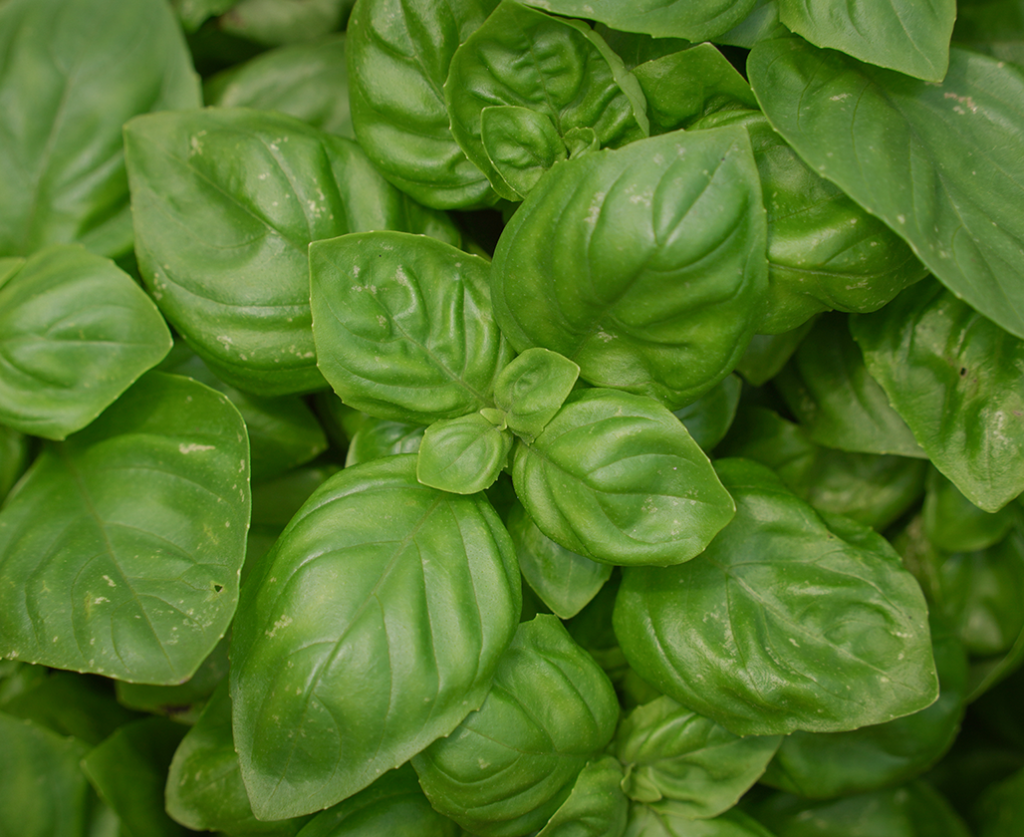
[[509, 766], [708, 418], [617, 478], [73, 72], [957, 379], [327, 698], [394, 340], [399, 55], [789, 620], [463, 455], [668, 818], [520, 144], [532, 389], [380, 437], [135, 574], [597, 807], [226, 202], [644, 265], [955, 523], [674, 753], [937, 162]]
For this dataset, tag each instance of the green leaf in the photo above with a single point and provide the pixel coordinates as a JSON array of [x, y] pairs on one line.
[[308, 81], [463, 455], [954, 522], [509, 766], [708, 418], [380, 437], [564, 580], [193, 13], [14, 458], [685, 85], [617, 478], [957, 379], [672, 752], [135, 572], [1001, 810], [833, 395], [520, 145], [694, 20], [597, 807], [75, 332], [827, 765], [994, 27], [668, 818], [226, 202], [645, 265], [42, 790], [532, 389], [403, 326], [936, 162], [913, 39], [809, 622], [128, 771], [398, 58], [355, 647], [72, 73], [768, 353], [275, 22], [556, 68]]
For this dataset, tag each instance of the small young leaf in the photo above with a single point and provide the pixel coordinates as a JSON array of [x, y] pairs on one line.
[[532, 389], [521, 144], [462, 455], [597, 807]]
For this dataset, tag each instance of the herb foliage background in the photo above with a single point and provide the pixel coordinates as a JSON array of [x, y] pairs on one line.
[[489, 418]]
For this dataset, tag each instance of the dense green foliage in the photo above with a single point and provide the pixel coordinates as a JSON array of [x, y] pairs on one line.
[[550, 418]]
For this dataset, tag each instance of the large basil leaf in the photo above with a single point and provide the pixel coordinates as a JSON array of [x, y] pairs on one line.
[[508, 767], [556, 68], [671, 752], [597, 807], [71, 73], [789, 620], [226, 202], [75, 332], [617, 478], [694, 20], [826, 765], [644, 265], [398, 57], [937, 162], [957, 379], [913, 39], [120, 550], [403, 326], [42, 790], [830, 391], [307, 81], [356, 646]]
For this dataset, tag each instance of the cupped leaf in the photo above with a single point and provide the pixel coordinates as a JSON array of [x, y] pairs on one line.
[[379, 437], [557, 68], [133, 572], [308, 81], [937, 162], [957, 379], [617, 478], [226, 202], [708, 418], [564, 580], [597, 807], [644, 265], [398, 58], [357, 645], [532, 389], [789, 620], [75, 332], [403, 326], [463, 455], [672, 752], [520, 144], [72, 73], [833, 395], [694, 20], [509, 766]]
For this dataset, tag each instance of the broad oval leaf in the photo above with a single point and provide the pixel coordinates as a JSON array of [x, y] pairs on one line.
[[939, 163], [694, 20], [72, 72], [617, 478], [379, 437], [371, 629], [532, 389], [557, 68], [75, 332], [403, 326], [644, 265], [509, 766], [520, 144], [226, 202], [910, 38], [957, 379], [398, 57], [463, 455], [135, 573], [788, 620]]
